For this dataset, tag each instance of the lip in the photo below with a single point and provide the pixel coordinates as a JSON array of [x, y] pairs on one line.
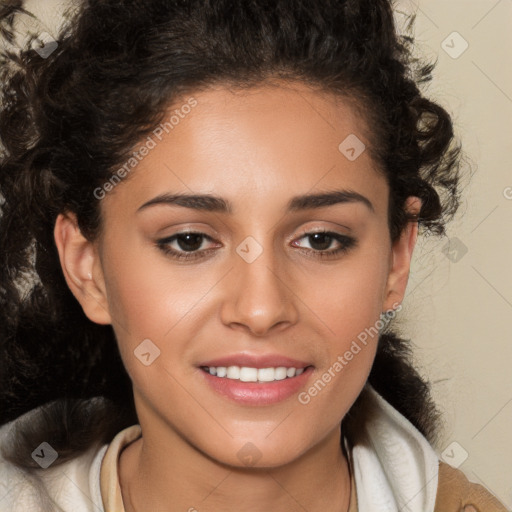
[[256, 361], [256, 393]]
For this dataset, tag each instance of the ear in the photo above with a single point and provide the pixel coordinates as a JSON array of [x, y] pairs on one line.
[[401, 256], [81, 266]]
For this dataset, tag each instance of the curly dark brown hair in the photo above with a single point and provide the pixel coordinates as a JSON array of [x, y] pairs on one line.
[[68, 121]]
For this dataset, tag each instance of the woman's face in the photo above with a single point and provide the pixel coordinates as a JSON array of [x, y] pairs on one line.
[[258, 290]]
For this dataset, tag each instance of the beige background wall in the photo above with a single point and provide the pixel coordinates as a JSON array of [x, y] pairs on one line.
[[458, 310]]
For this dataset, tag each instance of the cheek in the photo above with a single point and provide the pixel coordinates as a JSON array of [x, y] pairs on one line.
[[352, 322], [147, 296], [349, 299], [349, 304], [151, 300]]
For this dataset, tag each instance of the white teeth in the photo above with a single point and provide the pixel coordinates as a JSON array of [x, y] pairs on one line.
[[266, 374], [248, 374], [280, 373], [233, 372]]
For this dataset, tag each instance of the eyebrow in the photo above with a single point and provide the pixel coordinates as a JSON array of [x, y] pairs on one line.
[[210, 203]]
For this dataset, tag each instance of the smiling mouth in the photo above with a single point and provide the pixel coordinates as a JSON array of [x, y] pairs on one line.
[[250, 374]]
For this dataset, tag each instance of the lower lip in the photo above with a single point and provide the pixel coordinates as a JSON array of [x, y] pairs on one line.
[[257, 393]]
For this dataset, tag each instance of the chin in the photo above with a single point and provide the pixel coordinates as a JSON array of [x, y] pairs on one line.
[[258, 455]]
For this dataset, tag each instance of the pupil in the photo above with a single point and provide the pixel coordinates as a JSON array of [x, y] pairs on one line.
[[321, 236], [187, 245]]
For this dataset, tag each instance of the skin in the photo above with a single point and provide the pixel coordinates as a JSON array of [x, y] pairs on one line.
[[257, 149]]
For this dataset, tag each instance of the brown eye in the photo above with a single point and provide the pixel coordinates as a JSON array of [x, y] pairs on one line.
[[189, 241], [320, 241], [185, 242], [187, 245]]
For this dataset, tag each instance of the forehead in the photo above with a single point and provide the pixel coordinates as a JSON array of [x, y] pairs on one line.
[[267, 142], [267, 109]]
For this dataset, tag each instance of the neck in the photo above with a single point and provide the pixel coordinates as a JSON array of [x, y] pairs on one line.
[[175, 476]]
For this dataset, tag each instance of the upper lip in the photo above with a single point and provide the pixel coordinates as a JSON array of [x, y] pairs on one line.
[[256, 361]]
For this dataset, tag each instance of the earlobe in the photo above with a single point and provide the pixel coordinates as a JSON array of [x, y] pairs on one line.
[[80, 265], [402, 252]]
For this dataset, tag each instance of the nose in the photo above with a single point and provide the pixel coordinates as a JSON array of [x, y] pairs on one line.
[[259, 295]]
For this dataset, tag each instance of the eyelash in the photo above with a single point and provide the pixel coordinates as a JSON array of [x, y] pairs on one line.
[[346, 242]]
